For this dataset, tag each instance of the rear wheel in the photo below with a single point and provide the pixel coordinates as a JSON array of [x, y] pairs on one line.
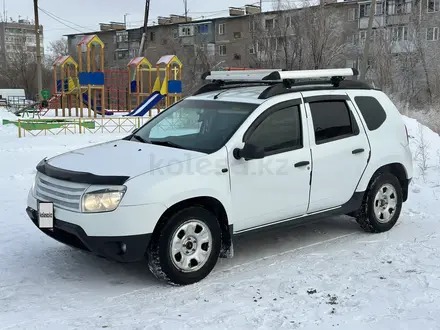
[[187, 247], [382, 205]]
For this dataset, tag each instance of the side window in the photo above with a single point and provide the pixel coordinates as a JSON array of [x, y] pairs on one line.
[[373, 113], [280, 131], [332, 120]]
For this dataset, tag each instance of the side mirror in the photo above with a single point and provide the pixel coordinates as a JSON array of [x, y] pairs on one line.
[[249, 151]]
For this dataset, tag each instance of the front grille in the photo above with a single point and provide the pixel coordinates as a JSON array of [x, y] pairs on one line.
[[63, 194]]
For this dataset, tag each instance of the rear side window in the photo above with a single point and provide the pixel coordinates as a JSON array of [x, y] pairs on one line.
[[372, 111], [332, 120]]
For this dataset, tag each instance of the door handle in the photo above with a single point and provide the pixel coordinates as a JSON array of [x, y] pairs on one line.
[[303, 163], [357, 151]]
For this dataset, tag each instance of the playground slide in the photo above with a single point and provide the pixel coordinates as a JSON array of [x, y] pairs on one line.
[[99, 110], [147, 104]]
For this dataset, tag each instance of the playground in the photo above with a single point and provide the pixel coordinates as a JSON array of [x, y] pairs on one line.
[[86, 95]]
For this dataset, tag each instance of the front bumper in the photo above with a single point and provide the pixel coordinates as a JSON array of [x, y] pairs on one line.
[[107, 247]]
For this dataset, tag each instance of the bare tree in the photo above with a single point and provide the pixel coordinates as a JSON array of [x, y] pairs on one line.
[[19, 70], [59, 47], [310, 37]]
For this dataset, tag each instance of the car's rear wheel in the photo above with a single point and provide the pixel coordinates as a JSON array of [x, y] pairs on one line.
[[187, 247], [382, 204]]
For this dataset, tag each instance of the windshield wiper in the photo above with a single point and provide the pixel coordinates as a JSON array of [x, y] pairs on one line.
[[167, 144], [140, 138]]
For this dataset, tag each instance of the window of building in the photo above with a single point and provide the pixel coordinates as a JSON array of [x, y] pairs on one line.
[[432, 34], [270, 24], [332, 120], [152, 36], [175, 33], [237, 35], [222, 50], [364, 9], [280, 131], [252, 25], [362, 35], [186, 31], [433, 6], [352, 14], [203, 28], [352, 39], [122, 36], [373, 113], [396, 7], [221, 29], [399, 33]]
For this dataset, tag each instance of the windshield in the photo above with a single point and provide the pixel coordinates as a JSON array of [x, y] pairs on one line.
[[199, 125]]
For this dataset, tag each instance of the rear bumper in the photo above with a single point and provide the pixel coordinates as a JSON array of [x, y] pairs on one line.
[[107, 247]]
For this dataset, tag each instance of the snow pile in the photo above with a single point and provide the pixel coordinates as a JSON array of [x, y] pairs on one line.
[[326, 275]]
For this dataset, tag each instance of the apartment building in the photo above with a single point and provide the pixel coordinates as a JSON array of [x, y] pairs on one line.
[[249, 38], [16, 36]]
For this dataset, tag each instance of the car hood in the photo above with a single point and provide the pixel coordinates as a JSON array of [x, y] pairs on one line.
[[120, 158]]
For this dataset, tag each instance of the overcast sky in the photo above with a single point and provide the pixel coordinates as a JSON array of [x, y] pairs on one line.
[[104, 11]]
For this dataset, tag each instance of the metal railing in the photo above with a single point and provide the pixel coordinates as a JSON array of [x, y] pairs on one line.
[[37, 127]]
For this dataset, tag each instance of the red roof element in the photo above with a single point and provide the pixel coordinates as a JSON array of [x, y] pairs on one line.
[[60, 60], [87, 39], [136, 61]]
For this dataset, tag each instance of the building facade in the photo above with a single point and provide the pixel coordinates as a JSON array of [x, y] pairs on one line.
[[331, 34], [18, 37]]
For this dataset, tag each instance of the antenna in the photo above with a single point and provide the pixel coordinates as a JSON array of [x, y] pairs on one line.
[[4, 11], [185, 2]]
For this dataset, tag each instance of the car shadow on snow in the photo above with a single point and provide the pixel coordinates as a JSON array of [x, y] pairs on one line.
[[74, 265]]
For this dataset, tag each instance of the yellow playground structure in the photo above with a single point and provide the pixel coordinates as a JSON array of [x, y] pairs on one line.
[[137, 90], [172, 72], [139, 85]]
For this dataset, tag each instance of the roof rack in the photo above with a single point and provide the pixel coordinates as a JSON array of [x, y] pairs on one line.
[[282, 81], [277, 75]]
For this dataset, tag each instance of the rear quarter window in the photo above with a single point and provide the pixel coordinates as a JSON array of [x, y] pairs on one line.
[[372, 111]]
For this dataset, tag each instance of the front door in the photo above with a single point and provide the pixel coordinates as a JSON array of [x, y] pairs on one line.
[[274, 188]]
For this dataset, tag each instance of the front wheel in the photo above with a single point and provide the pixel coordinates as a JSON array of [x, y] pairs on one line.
[[187, 247], [382, 206]]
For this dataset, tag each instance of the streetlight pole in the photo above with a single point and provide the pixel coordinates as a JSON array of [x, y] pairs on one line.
[[37, 35]]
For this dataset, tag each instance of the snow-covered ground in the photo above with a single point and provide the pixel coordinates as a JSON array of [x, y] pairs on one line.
[[325, 275]]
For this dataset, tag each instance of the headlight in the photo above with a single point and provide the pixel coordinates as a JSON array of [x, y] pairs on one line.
[[103, 200]]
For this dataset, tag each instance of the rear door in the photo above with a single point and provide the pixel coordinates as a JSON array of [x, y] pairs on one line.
[[339, 146]]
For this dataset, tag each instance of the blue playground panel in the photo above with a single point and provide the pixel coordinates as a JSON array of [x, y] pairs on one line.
[[66, 85], [174, 86], [91, 78], [133, 86]]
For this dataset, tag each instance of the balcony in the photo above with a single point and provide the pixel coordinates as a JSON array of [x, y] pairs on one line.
[[378, 21]]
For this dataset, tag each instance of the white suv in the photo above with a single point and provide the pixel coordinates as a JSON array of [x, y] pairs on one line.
[[249, 150]]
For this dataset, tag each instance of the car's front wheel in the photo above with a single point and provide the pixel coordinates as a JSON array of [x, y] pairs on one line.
[[382, 204], [187, 247]]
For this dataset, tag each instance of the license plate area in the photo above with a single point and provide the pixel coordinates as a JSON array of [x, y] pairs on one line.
[[45, 215]]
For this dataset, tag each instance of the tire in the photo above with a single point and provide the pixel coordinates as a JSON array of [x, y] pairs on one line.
[[191, 231], [374, 218]]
